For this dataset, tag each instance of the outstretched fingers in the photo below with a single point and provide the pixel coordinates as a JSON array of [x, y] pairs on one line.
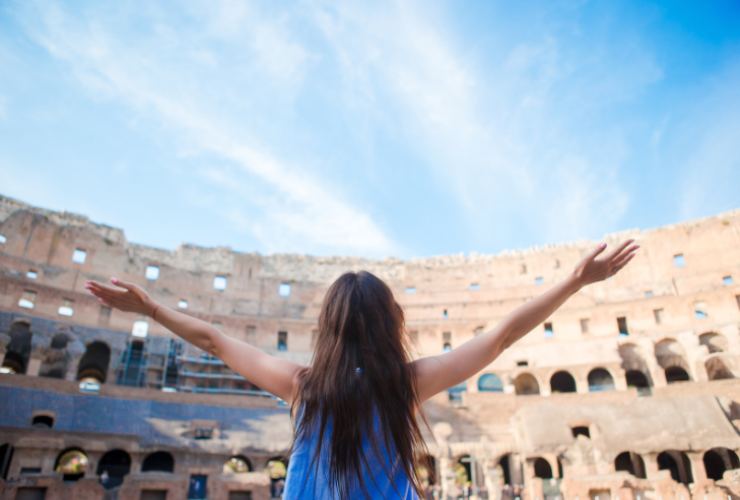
[[102, 296], [100, 290], [101, 286], [617, 251], [108, 295], [623, 262], [626, 254], [596, 251]]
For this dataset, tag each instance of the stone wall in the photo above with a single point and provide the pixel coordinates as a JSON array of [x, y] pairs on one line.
[[663, 388]]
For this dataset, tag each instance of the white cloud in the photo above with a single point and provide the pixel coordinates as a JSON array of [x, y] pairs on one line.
[[530, 137], [282, 58], [495, 141], [299, 212]]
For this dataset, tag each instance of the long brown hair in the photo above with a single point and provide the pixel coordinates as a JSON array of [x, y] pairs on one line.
[[360, 365]]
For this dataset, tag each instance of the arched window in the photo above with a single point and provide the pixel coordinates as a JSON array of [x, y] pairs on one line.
[[18, 349], [463, 471], [93, 365], [717, 369], [630, 462], [277, 468], [525, 385], [426, 468], [676, 374], [113, 467], [455, 393], [6, 455], [505, 463], [72, 464], [678, 464], [667, 462], [638, 380], [714, 342], [56, 359], [42, 421], [159, 461], [719, 460], [542, 468], [600, 380], [581, 430], [238, 464], [562, 381], [59, 341], [672, 358], [637, 373], [490, 382]]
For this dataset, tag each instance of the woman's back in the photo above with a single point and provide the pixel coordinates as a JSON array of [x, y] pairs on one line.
[[382, 474]]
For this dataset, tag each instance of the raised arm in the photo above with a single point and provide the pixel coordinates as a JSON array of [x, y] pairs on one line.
[[437, 373], [273, 374]]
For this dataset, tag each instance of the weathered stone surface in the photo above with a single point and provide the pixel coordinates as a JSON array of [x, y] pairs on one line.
[[682, 321]]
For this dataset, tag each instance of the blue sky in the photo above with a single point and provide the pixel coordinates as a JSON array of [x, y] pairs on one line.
[[371, 128]]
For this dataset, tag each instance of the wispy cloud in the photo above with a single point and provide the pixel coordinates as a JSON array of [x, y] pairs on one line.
[[297, 210], [493, 137], [396, 127]]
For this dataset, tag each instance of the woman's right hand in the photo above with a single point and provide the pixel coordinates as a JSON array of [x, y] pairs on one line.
[[124, 296]]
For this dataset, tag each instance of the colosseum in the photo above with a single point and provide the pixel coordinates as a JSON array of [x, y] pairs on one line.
[[629, 391]]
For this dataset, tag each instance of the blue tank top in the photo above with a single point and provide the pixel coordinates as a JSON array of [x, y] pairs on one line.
[[384, 478]]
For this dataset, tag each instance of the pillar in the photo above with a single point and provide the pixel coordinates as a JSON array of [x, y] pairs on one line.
[[651, 466], [34, 364], [697, 466]]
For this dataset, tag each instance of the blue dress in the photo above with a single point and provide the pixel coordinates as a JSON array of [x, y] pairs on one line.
[[384, 479]]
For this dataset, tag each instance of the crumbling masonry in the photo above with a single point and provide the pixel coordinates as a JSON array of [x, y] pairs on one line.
[[630, 390]]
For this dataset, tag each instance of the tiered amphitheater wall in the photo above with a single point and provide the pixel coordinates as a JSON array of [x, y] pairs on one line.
[[679, 300]]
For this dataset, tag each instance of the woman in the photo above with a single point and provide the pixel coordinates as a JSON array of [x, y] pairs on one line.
[[355, 407]]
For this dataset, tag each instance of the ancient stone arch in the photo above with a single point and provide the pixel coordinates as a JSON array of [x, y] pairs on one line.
[[72, 463], [636, 371], [18, 350], [714, 342], [671, 356], [113, 467], [719, 367], [718, 460], [599, 380], [56, 358], [630, 462], [94, 363], [525, 384], [679, 465], [562, 381], [542, 468], [158, 461], [490, 382]]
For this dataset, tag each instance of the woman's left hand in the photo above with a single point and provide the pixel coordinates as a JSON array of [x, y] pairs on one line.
[[591, 269]]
